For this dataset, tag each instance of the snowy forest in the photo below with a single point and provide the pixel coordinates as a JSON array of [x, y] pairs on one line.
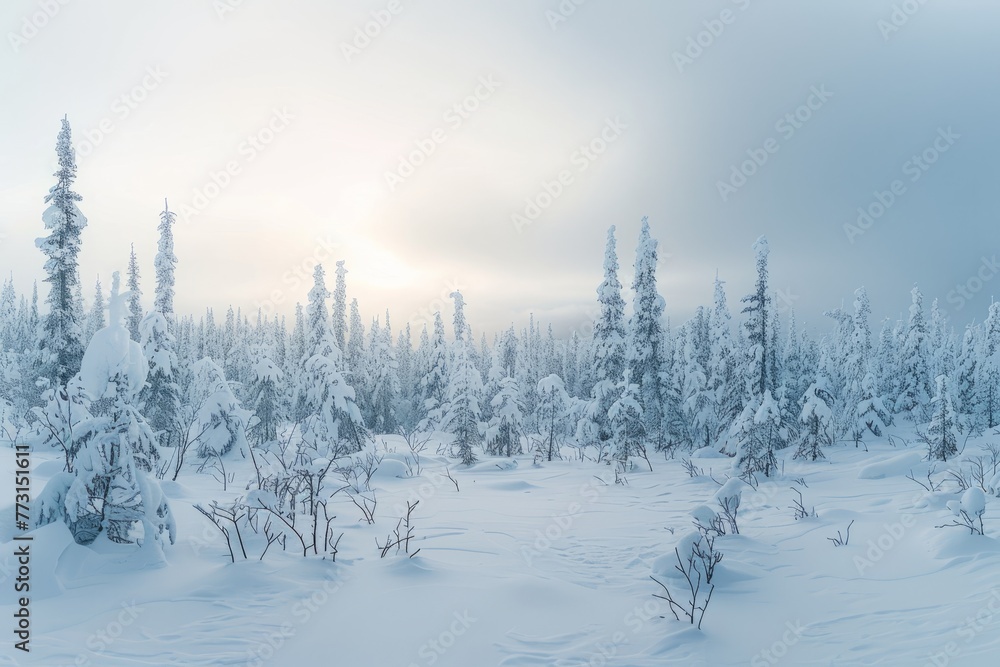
[[289, 429]]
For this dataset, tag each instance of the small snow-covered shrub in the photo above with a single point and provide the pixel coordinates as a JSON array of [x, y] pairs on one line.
[[968, 512], [696, 560], [729, 498]]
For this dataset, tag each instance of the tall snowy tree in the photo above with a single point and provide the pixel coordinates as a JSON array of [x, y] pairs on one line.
[[942, 434], [760, 430], [645, 356], [967, 403], [61, 344], [134, 296], [434, 384], [383, 374], [988, 376], [164, 263], [317, 315], [758, 312], [340, 306], [608, 351], [915, 392], [723, 365], [856, 368], [160, 397], [95, 319], [464, 387]]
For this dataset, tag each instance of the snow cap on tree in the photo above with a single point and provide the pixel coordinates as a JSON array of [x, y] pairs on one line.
[[113, 353]]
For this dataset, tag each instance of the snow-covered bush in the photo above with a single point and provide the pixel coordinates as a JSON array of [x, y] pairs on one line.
[[817, 422], [506, 425], [728, 498], [696, 558], [110, 490], [969, 511]]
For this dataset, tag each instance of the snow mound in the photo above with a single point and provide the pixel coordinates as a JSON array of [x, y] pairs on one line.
[[708, 453], [390, 468], [894, 467]]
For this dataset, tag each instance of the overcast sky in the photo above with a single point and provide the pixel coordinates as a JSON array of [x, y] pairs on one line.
[[670, 99]]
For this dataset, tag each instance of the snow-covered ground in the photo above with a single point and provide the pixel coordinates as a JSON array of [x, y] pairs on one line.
[[541, 565]]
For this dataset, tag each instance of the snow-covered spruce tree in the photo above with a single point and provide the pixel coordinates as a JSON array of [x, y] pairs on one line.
[[698, 397], [506, 426], [134, 296], [967, 403], [95, 318], [871, 415], [988, 375], [645, 356], [836, 354], [310, 331], [766, 434], [298, 342], [164, 263], [317, 315], [628, 428], [333, 426], [266, 393], [776, 371], [915, 390], [759, 430], [383, 379], [434, 384], [529, 366], [942, 434], [464, 387], [9, 319], [552, 415], [111, 490], [816, 419], [723, 365], [408, 400], [758, 312], [160, 398], [571, 365], [491, 383], [797, 372], [220, 421], [940, 342], [61, 344], [355, 359], [340, 306], [858, 360], [885, 365], [608, 350], [585, 363]]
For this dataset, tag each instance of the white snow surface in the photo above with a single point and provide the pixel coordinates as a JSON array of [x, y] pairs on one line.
[[536, 565]]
